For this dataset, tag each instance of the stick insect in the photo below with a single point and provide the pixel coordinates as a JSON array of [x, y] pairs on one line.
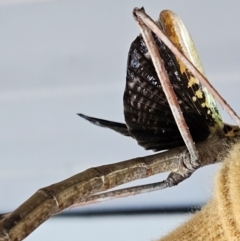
[[165, 105], [158, 131]]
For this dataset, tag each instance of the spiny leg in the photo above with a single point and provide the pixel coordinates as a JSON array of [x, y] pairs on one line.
[[175, 177]]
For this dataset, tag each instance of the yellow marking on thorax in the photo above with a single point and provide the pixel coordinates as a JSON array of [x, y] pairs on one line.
[[199, 94], [192, 81]]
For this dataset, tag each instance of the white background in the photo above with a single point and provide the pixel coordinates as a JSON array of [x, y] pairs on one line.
[[58, 58]]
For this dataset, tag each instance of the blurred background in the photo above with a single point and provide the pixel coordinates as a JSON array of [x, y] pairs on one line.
[[59, 58]]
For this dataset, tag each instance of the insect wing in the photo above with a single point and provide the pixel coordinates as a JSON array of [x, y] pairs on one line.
[[146, 109]]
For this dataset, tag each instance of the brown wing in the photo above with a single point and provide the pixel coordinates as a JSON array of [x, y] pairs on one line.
[[146, 110]]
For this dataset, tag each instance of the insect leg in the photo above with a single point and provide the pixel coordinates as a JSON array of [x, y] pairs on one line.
[[173, 103], [184, 171]]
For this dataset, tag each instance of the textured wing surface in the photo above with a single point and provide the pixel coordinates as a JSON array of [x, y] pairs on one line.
[[146, 109]]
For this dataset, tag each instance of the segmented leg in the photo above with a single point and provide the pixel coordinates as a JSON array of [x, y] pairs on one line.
[[175, 177]]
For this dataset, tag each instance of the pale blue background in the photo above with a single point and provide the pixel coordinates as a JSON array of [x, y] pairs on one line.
[[58, 58]]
